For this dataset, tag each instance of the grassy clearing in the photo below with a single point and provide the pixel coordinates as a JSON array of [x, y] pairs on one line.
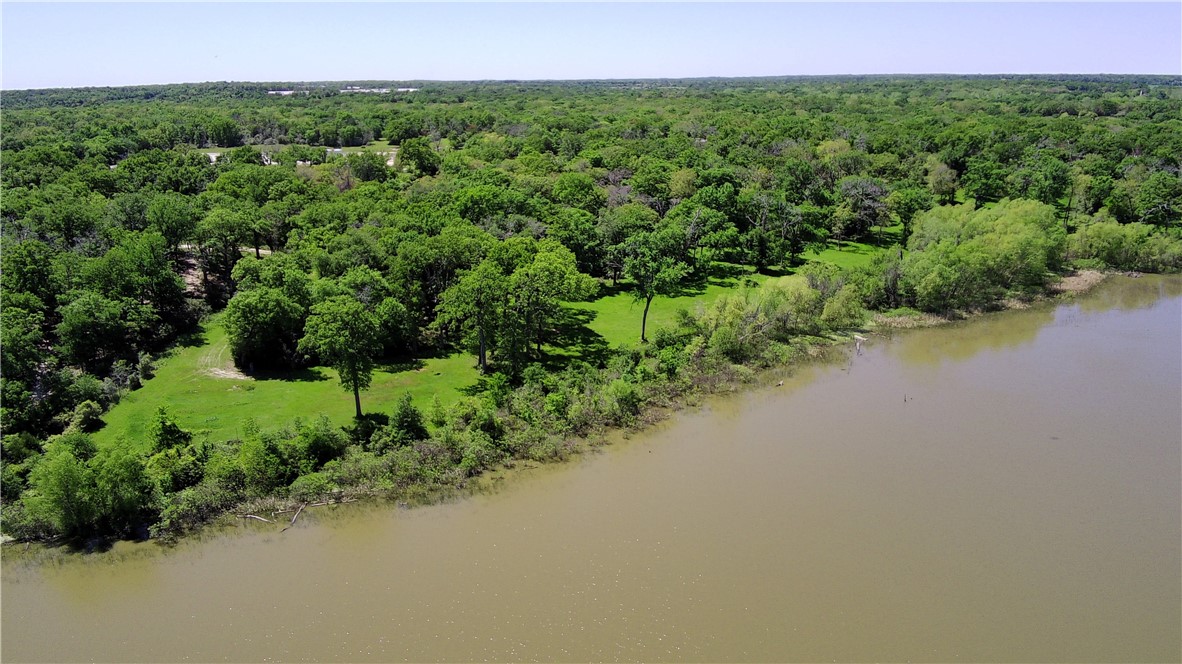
[[856, 254], [206, 395], [616, 316], [372, 146]]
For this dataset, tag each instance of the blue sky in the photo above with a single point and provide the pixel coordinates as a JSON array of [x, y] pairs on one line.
[[66, 45]]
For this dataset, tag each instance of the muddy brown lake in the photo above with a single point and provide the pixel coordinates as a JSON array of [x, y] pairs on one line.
[[1008, 488]]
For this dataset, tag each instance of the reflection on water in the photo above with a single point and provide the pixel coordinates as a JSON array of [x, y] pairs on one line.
[[944, 496], [1009, 329], [1127, 294], [962, 340]]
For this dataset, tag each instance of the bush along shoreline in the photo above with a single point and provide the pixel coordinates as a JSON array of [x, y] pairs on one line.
[[959, 260]]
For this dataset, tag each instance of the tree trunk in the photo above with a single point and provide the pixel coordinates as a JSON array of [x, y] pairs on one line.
[[644, 319], [357, 399], [483, 354]]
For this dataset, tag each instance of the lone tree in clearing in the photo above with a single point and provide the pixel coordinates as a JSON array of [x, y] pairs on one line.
[[344, 333], [651, 262]]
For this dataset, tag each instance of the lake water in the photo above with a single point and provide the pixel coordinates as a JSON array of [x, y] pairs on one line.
[[1004, 489]]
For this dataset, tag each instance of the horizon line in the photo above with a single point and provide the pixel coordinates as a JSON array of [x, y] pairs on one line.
[[601, 79]]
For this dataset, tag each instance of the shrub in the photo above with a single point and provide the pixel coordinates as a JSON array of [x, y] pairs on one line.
[[321, 442], [479, 453], [192, 507], [309, 488], [622, 401], [175, 469], [87, 416], [1132, 246], [844, 310], [407, 420], [165, 434], [357, 468]]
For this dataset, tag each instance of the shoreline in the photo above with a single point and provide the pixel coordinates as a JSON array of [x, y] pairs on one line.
[[1073, 284], [737, 378]]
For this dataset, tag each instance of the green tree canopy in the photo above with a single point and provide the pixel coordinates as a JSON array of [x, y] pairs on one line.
[[344, 333]]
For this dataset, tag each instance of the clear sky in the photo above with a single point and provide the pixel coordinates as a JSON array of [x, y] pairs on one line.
[[87, 44]]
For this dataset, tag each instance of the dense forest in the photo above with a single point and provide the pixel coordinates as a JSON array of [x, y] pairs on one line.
[[363, 224]]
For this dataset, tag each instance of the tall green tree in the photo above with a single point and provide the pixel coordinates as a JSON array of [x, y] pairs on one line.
[[344, 333], [905, 204], [473, 307], [653, 265], [536, 290]]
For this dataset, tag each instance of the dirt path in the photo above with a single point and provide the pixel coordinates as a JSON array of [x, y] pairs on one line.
[[216, 362]]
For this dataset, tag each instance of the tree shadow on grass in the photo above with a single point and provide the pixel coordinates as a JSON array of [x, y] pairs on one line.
[[572, 333], [305, 375], [478, 387], [851, 247], [570, 339], [608, 290], [192, 339], [776, 272], [401, 365]]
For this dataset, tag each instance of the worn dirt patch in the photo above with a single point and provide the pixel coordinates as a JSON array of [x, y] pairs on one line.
[[216, 362], [218, 372], [1079, 281]]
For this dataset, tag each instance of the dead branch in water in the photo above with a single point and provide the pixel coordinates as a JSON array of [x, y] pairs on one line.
[[252, 516], [327, 502], [297, 515]]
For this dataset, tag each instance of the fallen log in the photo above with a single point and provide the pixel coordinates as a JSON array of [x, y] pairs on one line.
[[297, 514], [327, 502], [252, 516], [293, 519]]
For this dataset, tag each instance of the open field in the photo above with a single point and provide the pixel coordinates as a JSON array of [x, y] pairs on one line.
[[206, 394]]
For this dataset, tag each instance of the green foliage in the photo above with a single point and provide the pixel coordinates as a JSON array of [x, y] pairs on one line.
[[652, 262], [406, 427], [264, 326], [176, 468], [262, 464], [125, 493], [94, 329], [87, 416], [417, 153], [343, 332], [577, 190], [309, 488], [319, 442], [962, 257], [844, 310], [164, 434], [1132, 246], [61, 491]]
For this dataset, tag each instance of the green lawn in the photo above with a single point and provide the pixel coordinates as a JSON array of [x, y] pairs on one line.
[[617, 315], [203, 391], [372, 146], [856, 254]]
